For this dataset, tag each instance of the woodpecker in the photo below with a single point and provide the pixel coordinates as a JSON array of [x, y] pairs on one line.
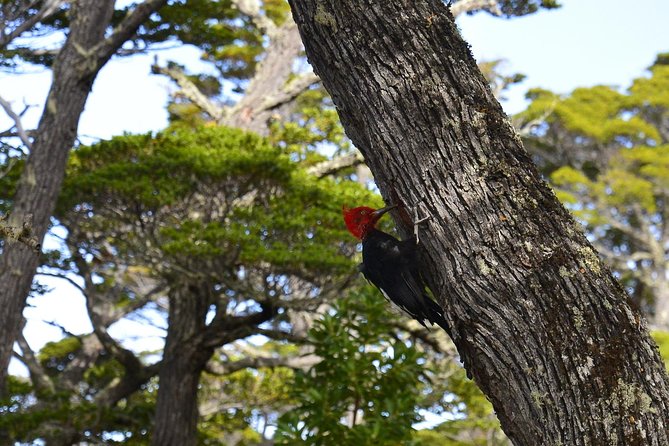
[[392, 266]]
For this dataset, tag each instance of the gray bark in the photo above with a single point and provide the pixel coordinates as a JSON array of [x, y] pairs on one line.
[[184, 358], [539, 322], [84, 53], [189, 345], [660, 318]]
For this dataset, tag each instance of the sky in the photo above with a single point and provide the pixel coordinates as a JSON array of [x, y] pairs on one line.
[[585, 43]]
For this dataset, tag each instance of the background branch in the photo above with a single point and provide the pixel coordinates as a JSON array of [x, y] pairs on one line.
[[190, 90], [465, 6], [20, 130], [48, 8]]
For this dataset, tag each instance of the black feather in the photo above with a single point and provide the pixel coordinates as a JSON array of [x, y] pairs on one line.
[[392, 266]]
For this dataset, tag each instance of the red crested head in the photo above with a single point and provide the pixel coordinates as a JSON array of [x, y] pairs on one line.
[[362, 219]]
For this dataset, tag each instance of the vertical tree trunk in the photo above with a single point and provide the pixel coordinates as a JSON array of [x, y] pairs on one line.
[[84, 53], [539, 322], [41, 180], [184, 358], [660, 319]]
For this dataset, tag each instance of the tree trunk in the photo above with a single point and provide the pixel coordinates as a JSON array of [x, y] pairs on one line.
[[84, 53], [184, 358], [660, 319], [539, 322], [40, 183]]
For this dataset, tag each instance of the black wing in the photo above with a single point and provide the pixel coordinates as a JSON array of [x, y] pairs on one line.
[[391, 265]]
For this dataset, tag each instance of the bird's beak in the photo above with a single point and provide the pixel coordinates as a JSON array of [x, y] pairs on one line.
[[379, 212]]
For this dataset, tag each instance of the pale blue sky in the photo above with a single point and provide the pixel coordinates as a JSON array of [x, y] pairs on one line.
[[585, 43]]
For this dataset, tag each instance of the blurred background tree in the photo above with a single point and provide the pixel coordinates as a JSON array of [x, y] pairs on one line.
[[607, 154], [224, 233]]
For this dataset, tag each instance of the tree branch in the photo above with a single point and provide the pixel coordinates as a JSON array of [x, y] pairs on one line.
[[190, 90], [251, 8], [48, 8], [65, 278], [270, 79], [279, 335], [124, 387], [23, 235], [130, 362], [20, 130], [38, 376], [464, 6], [290, 92], [303, 362], [125, 30], [224, 329], [334, 165], [436, 339]]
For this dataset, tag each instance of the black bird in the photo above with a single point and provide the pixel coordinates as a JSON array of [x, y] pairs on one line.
[[392, 266]]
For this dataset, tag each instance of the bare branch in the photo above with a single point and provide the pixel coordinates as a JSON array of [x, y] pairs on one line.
[[38, 376], [524, 130], [125, 30], [48, 8], [20, 130], [190, 90], [224, 328], [291, 91], [279, 335], [336, 164], [126, 357], [303, 362], [252, 9], [654, 246], [271, 78], [65, 278], [126, 386], [11, 162]]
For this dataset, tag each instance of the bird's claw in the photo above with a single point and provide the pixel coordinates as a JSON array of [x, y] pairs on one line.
[[418, 220]]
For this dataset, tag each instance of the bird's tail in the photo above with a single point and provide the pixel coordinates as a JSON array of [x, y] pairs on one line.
[[435, 314]]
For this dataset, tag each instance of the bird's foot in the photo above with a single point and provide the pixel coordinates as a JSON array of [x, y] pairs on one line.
[[419, 220]]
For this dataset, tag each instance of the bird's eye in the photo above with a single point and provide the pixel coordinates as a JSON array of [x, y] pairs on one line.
[[363, 212]]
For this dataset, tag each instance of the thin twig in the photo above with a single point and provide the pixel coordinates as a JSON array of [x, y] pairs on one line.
[[20, 130]]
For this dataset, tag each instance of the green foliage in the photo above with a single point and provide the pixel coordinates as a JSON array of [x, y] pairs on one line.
[[607, 154], [54, 356], [170, 166], [662, 339], [203, 203], [634, 177], [314, 121], [473, 420], [19, 391], [72, 413], [373, 380], [214, 191], [367, 365], [653, 91], [596, 113], [249, 392]]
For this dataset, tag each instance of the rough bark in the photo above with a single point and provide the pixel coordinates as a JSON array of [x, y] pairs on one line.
[[189, 345], [539, 322], [184, 358], [84, 53]]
